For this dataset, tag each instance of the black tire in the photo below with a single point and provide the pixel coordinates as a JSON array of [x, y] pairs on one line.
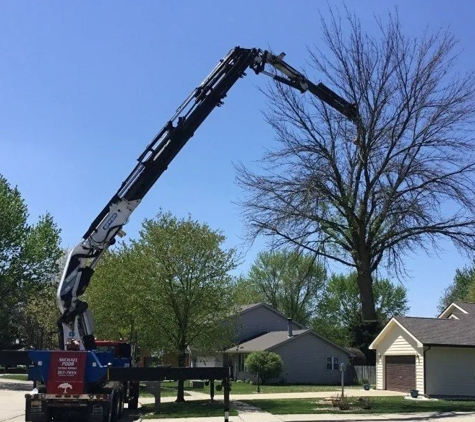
[[108, 416], [121, 404], [133, 402], [115, 408]]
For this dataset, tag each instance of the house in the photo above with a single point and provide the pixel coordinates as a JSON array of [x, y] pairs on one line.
[[307, 357], [434, 355]]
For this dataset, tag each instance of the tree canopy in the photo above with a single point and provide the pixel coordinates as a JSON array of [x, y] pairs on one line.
[[289, 281], [461, 288], [339, 311], [369, 194], [29, 255], [172, 285]]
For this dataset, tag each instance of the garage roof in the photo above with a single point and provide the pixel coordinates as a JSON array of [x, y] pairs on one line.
[[439, 331]]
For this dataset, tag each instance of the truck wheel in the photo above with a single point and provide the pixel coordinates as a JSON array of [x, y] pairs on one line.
[[133, 402], [107, 416], [115, 408], [121, 404]]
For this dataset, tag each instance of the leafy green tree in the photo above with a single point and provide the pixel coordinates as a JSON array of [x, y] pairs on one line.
[[289, 281], [339, 311], [461, 289], [115, 287], [264, 364], [246, 292], [171, 285], [38, 327], [29, 255]]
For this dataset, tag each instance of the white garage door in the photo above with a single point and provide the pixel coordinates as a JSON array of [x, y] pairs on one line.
[[450, 371]]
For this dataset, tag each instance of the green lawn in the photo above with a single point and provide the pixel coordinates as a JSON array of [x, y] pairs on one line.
[[246, 388], [19, 377], [380, 405], [166, 391], [191, 409]]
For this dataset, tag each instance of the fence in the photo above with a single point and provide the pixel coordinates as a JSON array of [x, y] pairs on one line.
[[366, 372]]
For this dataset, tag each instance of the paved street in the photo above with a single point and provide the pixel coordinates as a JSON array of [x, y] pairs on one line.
[[12, 400]]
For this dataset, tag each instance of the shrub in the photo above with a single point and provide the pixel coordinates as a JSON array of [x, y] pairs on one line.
[[367, 404], [265, 365], [344, 404], [336, 400]]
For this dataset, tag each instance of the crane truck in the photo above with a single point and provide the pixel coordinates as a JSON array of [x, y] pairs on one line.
[[74, 378]]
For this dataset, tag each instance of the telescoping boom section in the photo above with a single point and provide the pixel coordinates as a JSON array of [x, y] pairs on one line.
[[75, 324]]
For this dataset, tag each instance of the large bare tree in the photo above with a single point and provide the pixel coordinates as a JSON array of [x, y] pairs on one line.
[[399, 181]]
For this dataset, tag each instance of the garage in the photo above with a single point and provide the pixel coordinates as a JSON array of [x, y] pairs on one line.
[[400, 373], [449, 371]]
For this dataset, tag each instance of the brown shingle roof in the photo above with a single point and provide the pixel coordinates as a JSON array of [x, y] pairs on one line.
[[265, 341], [440, 331]]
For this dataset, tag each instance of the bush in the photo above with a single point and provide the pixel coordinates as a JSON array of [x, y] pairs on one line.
[[336, 400], [366, 403], [344, 404], [265, 365]]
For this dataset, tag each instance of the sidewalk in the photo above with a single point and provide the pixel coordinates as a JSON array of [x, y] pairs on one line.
[[395, 417], [249, 413], [350, 392]]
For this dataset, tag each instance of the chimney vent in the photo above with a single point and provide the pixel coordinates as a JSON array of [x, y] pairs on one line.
[[289, 327]]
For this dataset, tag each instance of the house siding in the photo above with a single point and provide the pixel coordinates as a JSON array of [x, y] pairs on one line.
[[398, 342], [261, 320], [304, 360], [450, 371]]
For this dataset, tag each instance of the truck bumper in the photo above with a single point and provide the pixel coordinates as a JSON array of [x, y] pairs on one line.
[[42, 409]]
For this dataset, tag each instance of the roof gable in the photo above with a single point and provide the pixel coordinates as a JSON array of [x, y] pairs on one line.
[[452, 308], [467, 307], [392, 324], [252, 307]]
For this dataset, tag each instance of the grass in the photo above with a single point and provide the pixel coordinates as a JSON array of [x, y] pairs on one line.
[[191, 409], [166, 390], [380, 405], [247, 388], [18, 377]]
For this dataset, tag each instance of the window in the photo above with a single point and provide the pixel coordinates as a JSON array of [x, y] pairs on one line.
[[241, 359], [333, 363]]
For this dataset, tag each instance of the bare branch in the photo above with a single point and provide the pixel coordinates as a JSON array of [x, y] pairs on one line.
[[405, 182]]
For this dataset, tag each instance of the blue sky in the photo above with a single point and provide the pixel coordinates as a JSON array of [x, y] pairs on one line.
[[86, 85]]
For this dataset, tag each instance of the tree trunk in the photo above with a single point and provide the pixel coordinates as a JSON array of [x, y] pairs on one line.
[[365, 286], [180, 397]]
